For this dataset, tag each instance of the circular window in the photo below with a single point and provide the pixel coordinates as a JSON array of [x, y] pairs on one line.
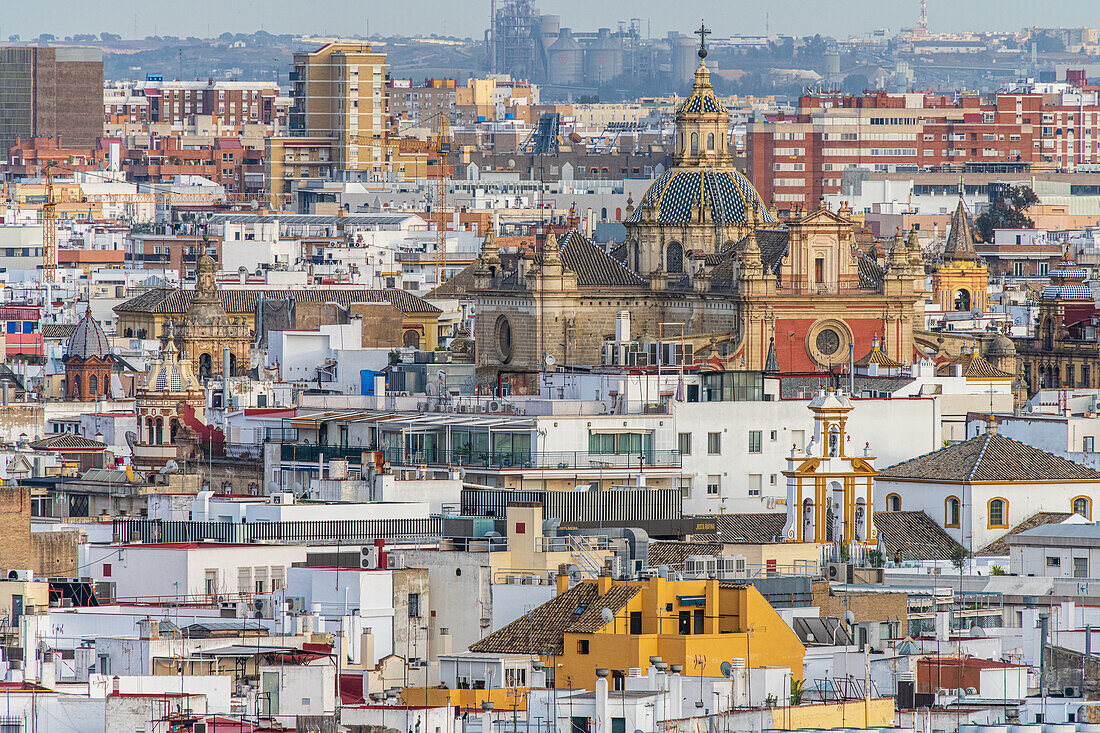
[[828, 341], [504, 339]]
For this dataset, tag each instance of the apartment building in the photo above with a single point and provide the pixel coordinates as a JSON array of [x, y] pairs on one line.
[[180, 102], [338, 122], [797, 159], [50, 92]]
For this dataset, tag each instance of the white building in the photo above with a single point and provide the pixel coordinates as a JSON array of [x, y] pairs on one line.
[[980, 488], [1067, 550]]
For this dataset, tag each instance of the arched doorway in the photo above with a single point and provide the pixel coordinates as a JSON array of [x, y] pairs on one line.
[[411, 339]]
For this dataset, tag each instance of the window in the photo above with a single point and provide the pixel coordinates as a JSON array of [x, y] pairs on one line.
[[694, 143], [414, 605], [1087, 443], [756, 439], [684, 626], [635, 622], [106, 570], [582, 646], [699, 618], [714, 443], [775, 435], [893, 503], [755, 482], [714, 485], [1083, 505], [950, 511], [710, 142], [521, 527], [683, 440], [998, 514], [1080, 567], [1054, 562], [819, 270]]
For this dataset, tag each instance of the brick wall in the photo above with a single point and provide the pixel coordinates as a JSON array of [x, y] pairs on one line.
[[865, 607]]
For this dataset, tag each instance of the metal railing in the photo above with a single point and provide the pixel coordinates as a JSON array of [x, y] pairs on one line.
[[295, 452]]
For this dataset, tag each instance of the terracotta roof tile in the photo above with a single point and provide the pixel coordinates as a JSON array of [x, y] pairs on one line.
[[175, 301], [999, 546], [989, 457]]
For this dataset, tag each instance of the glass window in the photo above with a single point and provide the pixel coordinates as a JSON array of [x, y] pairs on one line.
[[714, 443], [1081, 505], [998, 513], [756, 480], [756, 440], [714, 485], [684, 443], [951, 512]]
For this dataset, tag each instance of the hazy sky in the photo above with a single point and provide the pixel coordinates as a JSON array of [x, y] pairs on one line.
[[838, 18]]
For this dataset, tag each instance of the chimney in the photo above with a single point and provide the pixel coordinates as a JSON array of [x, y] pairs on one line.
[[603, 715]]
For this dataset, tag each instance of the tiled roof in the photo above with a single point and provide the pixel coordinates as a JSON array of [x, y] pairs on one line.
[[960, 242], [726, 193], [773, 245], [87, 340], [974, 366], [457, 286], [999, 546], [989, 457], [593, 266], [871, 273], [57, 330], [542, 630], [912, 535], [875, 356], [702, 102], [675, 553], [177, 302], [67, 441]]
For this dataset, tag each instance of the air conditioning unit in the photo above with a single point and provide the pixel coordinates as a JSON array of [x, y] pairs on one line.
[[700, 566], [838, 572], [263, 608], [395, 562], [20, 575], [368, 558], [296, 604]]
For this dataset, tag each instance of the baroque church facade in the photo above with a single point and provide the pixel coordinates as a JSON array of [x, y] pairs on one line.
[[703, 255]]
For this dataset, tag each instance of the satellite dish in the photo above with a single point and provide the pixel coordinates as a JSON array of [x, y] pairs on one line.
[[726, 668], [849, 617], [550, 360], [607, 615]]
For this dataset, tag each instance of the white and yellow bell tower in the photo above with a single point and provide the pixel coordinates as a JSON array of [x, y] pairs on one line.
[[829, 492]]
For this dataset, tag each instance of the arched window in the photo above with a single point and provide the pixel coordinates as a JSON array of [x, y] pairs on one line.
[[893, 503], [129, 333], [618, 213], [411, 339], [160, 431], [694, 143], [1048, 334], [674, 258], [93, 386], [998, 514], [710, 142], [173, 429], [205, 366], [962, 300], [149, 431], [683, 144], [1083, 505], [232, 364], [603, 213], [951, 512], [834, 441]]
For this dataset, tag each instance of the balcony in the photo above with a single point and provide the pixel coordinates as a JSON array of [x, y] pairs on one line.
[[493, 460]]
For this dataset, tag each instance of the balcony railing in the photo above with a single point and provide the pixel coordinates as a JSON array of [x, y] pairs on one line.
[[294, 452]]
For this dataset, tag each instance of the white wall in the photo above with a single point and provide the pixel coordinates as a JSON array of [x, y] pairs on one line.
[[365, 594]]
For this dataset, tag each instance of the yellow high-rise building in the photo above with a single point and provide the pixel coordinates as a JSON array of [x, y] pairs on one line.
[[338, 123]]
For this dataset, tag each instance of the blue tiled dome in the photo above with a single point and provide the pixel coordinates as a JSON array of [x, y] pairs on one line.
[[702, 102], [1067, 282], [88, 339], [727, 193]]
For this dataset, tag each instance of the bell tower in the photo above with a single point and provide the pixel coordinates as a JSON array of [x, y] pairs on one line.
[[830, 496]]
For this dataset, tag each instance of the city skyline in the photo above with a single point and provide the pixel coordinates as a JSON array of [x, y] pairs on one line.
[[846, 18]]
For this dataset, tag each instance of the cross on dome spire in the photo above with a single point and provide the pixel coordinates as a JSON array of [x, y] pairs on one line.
[[703, 32]]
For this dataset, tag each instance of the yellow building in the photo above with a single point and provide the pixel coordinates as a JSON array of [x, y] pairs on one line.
[[960, 282], [620, 624], [338, 122]]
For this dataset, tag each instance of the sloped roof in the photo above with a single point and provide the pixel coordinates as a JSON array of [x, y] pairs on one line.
[[542, 630], [87, 340], [57, 330], [989, 457], [457, 286], [67, 441], [593, 266], [675, 553], [913, 534], [175, 301], [875, 356], [974, 366], [725, 193], [960, 242], [999, 547]]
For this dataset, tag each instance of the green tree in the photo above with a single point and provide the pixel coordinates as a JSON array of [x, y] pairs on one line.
[[1009, 211], [959, 557]]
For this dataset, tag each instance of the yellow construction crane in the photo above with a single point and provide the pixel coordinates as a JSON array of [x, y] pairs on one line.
[[439, 210], [49, 230], [440, 175]]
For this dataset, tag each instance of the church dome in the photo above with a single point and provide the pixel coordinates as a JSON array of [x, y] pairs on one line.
[[726, 195], [88, 340], [170, 373], [1067, 282], [1001, 346]]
